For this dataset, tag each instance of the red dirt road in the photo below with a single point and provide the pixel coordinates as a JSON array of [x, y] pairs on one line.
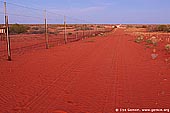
[[96, 75]]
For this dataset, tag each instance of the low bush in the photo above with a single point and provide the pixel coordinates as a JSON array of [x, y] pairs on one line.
[[139, 39], [163, 28], [70, 33], [153, 40], [148, 41], [35, 28], [167, 47], [159, 28], [40, 31], [18, 28]]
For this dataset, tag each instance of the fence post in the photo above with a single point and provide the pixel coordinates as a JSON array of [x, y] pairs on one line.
[[7, 33], [90, 30], [96, 30], [46, 29], [76, 35], [65, 32], [84, 27]]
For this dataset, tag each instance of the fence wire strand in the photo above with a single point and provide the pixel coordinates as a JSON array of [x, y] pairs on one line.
[[27, 29]]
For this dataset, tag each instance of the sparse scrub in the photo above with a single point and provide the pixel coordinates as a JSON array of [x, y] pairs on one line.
[[148, 41], [159, 28], [141, 26], [70, 33], [35, 28], [99, 26], [153, 40], [40, 31], [83, 28], [129, 26], [163, 28], [144, 26], [139, 39], [167, 47], [18, 29]]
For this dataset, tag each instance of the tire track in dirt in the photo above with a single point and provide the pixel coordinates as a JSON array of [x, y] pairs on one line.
[[133, 63], [124, 80], [64, 71], [142, 86], [72, 72], [49, 87], [72, 67], [3, 99], [85, 63], [117, 71], [111, 97], [7, 95], [116, 97], [122, 77], [75, 73]]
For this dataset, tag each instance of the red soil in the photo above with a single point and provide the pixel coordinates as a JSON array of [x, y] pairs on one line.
[[96, 75]]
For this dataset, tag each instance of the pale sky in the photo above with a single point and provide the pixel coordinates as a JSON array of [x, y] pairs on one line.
[[89, 11]]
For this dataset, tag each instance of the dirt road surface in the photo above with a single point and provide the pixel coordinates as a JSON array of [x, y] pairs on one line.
[[95, 75]]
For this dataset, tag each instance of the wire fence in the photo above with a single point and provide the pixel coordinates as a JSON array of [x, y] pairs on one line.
[[33, 29]]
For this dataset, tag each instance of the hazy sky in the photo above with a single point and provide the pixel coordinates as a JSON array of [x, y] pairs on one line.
[[95, 11]]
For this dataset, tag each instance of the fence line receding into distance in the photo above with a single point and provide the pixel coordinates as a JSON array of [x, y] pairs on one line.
[[29, 29]]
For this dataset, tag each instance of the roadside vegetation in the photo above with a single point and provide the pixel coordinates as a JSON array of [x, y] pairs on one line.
[[158, 28], [155, 38], [18, 28]]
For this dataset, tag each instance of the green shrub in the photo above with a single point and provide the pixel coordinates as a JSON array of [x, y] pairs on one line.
[[167, 47], [153, 40], [149, 41], [139, 39], [18, 29]]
